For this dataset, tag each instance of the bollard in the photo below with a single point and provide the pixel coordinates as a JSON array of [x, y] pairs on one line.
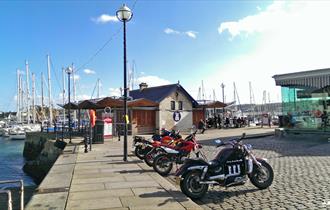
[[85, 142]]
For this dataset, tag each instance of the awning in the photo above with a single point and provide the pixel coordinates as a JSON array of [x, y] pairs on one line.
[[69, 105], [110, 102], [314, 79], [87, 104]]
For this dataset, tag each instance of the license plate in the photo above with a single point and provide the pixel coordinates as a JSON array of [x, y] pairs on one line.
[[177, 180]]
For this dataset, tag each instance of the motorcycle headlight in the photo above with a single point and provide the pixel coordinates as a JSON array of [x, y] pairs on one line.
[[249, 146]]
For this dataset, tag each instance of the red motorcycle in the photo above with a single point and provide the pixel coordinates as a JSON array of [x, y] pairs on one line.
[[154, 148], [143, 145], [163, 163]]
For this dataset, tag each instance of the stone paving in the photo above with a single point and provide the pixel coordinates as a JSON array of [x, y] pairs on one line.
[[302, 177], [100, 179]]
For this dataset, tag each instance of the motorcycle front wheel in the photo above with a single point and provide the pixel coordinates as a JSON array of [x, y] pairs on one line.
[[139, 152], [191, 187], [162, 164], [150, 156], [262, 177]]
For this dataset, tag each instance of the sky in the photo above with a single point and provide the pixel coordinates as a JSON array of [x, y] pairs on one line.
[[191, 42]]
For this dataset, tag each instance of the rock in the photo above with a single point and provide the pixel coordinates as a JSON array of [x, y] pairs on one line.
[[41, 153]]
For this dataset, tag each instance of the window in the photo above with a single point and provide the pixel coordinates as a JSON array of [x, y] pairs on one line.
[[180, 105], [172, 105]]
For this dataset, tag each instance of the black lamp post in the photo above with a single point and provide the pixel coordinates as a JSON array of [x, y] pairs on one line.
[[124, 14], [69, 72]]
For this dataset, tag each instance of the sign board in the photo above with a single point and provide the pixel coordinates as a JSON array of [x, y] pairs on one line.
[[107, 127], [176, 116]]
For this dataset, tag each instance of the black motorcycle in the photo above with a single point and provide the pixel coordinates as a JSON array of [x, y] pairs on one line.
[[231, 167], [142, 146]]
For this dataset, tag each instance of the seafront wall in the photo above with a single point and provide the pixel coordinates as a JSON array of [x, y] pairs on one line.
[[41, 151]]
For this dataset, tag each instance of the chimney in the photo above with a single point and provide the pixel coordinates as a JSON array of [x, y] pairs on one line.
[[143, 85]]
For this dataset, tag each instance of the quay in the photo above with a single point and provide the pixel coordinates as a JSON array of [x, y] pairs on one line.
[[100, 179]]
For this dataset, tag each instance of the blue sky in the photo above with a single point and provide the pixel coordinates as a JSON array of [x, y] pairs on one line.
[[190, 41]]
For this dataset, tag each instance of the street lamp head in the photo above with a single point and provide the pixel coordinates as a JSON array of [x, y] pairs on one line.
[[68, 70], [124, 13]]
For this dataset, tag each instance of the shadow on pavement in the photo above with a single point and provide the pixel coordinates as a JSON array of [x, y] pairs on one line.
[[217, 196], [126, 162], [173, 196], [129, 155], [139, 171]]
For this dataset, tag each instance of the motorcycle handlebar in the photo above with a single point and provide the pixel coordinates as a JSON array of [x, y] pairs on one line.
[[232, 141]]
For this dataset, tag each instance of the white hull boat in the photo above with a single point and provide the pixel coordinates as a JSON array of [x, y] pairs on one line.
[[17, 134]]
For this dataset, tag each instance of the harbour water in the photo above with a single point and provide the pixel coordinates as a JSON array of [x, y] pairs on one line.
[[12, 161]]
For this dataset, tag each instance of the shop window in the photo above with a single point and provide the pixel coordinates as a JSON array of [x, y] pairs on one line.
[[180, 105], [172, 105]]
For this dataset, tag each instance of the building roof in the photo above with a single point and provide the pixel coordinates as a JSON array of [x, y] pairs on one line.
[[157, 94], [315, 79]]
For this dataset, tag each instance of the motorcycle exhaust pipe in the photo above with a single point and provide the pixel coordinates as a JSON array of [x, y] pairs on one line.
[[217, 177], [208, 182]]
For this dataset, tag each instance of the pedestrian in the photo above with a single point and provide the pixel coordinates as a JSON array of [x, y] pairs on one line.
[[219, 121], [118, 128], [269, 120], [227, 122], [201, 126], [324, 118], [215, 121]]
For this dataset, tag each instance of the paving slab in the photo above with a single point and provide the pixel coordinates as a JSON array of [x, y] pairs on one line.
[[94, 203], [54, 201], [100, 194]]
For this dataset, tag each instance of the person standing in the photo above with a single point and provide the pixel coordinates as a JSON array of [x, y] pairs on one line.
[[219, 122], [201, 126]]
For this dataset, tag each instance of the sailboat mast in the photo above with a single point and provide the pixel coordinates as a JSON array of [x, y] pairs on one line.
[[250, 90], [63, 93], [49, 92], [33, 98], [18, 114], [234, 92], [98, 88], [74, 90], [42, 90], [27, 91]]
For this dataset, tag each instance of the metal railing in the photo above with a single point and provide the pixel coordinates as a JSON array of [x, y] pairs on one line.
[[9, 200], [21, 192]]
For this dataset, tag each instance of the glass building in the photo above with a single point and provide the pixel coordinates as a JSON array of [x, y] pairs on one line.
[[305, 99]]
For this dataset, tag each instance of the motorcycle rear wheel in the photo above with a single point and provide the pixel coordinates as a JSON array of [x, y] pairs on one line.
[[260, 179], [162, 165], [191, 187]]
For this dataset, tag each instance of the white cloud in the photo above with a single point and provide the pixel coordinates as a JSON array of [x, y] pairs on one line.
[[171, 31], [105, 18], [152, 81], [115, 91], [89, 71], [83, 97], [191, 34], [292, 36]]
